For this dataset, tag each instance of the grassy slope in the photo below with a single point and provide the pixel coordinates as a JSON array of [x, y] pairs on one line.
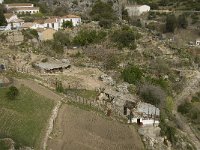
[[24, 119]]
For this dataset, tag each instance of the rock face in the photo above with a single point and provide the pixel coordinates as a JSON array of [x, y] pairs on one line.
[[84, 6]]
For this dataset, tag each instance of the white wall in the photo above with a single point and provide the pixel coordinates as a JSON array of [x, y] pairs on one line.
[[137, 10], [50, 25], [27, 11], [144, 121]]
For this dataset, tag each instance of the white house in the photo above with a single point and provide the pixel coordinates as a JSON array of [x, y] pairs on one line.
[[76, 20], [137, 10], [198, 42], [13, 21], [27, 10], [52, 23], [145, 114], [22, 8]]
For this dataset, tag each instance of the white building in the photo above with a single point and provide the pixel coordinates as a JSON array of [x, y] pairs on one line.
[[76, 20], [52, 23], [137, 10], [198, 42], [13, 21], [145, 114], [27, 10], [22, 8]]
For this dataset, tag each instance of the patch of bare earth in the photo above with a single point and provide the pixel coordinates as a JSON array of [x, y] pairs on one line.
[[77, 129]]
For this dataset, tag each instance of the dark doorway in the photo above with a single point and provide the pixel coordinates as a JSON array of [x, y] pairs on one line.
[[125, 110], [138, 121]]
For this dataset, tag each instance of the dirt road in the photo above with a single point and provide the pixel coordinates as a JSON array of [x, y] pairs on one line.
[[77, 129]]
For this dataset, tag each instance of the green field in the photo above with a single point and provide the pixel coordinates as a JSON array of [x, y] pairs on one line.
[[25, 118]]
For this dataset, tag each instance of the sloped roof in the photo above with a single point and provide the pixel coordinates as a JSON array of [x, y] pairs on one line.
[[28, 25], [39, 21], [71, 16], [50, 20], [8, 15], [20, 4], [27, 8]]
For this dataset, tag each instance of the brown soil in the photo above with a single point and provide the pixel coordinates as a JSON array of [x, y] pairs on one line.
[[77, 129]]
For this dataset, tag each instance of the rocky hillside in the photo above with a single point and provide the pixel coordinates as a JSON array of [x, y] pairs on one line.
[[83, 7]]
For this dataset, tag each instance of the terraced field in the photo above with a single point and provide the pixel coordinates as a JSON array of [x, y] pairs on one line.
[[25, 118]]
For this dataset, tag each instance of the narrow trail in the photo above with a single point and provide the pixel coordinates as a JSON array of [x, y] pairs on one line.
[[191, 88]]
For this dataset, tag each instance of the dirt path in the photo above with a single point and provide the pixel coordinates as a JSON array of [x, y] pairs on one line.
[[77, 129], [191, 88]]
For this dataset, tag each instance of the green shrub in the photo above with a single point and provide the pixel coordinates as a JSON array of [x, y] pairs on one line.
[[185, 108], [152, 94], [101, 11], [85, 37], [67, 24], [182, 21], [125, 38], [132, 74], [171, 23], [62, 37], [12, 93]]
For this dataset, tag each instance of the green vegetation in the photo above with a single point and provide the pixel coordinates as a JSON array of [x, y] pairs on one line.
[[12, 93], [152, 94], [171, 23], [62, 38], [104, 13], [59, 87], [3, 21], [85, 37], [125, 37], [67, 24], [167, 130], [3, 145], [182, 21], [132, 74], [24, 120], [30, 34]]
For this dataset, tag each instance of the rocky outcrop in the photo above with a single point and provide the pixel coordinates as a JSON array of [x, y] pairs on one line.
[[84, 6]]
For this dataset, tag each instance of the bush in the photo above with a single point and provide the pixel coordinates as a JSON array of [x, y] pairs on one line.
[[184, 108], [171, 23], [132, 74], [62, 37], [67, 24], [111, 62], [105, 23], [12, 93], [85, 37], [182, 21], [30, 34], [101, 11], [152, 94], [3, 21], [125, 38]]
